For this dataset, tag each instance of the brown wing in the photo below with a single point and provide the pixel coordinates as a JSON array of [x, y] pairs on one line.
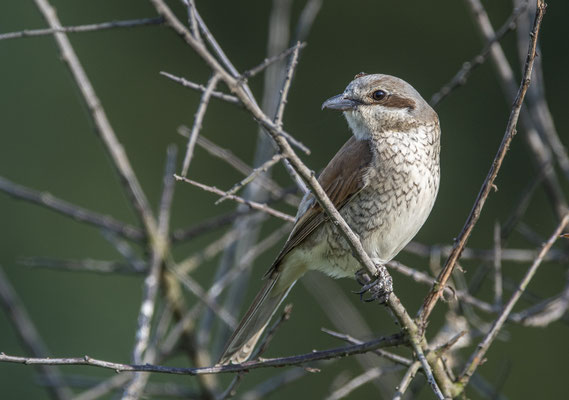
[[342, 178]]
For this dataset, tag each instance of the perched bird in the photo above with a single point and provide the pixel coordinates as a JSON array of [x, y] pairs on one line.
[[383, 181]]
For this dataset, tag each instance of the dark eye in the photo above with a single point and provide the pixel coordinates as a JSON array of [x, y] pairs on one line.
[[378, 95]]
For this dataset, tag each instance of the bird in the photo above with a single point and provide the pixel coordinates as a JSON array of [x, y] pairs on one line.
[[383, 181]]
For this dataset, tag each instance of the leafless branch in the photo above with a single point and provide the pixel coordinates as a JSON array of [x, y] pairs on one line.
[[159, 249], [358, 381], [474, 215], [388, 341], [196, 86], [101, 122], [263, 179], [30, 337], [86, 265], [406, 381], [396, 358], [82, 28], [253, 204], [482, 348], [249, 178], [271, 60], [461, 77], [65, 208], [198, 123]]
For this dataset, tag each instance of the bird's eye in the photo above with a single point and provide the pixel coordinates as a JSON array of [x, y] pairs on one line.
[[378, 95]]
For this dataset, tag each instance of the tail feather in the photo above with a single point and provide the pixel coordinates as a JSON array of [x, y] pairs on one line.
[[241, 344]]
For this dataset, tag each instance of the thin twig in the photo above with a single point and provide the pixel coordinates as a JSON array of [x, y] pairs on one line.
[[87, 265], [126, 250], [358, 381], [196, 86], [406, 381], [273, 384], [101, 122], [474, 215], [67, 209], [231, 390], [460, 78], [231, 159], [30, 337], [497, 266], [202, 296], [159, 248], [477, 357], [82, 28], [271, 60], [396, 358], [192, 21], [198, 120], [143, 350], [540, 151], [388, 341], [253, 204], [286, 87], [210, 224], [249, 178]]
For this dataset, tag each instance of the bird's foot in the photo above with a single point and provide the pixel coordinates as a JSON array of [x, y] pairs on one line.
[[379, 289]]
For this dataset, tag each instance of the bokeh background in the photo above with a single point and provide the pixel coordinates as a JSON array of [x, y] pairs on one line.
[[47, 142]]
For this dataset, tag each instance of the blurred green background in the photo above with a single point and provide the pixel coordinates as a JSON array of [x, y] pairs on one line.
[[47, 143]]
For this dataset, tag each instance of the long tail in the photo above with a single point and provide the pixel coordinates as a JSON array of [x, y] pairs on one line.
[[241, 344]]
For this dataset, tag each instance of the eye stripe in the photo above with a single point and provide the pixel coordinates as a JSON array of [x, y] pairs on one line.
[[395, 101]]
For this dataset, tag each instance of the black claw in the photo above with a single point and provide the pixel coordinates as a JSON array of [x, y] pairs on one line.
[[378, 289]]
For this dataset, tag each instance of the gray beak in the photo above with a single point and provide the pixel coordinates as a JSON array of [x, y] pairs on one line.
[[341, 103]]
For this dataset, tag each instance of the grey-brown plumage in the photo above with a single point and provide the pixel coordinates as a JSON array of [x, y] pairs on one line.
[[384, 182]]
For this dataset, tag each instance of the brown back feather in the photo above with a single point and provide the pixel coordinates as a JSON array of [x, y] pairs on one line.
[[343, 177]]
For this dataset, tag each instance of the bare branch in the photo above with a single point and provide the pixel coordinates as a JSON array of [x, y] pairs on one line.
[[540, 151], [249, 178], [159, 249], [30, 337], [101, 122], [86, 265], [396, 358], [271, 60], [228, 157], [406, 381], [67, 209], [196, 86], [474, 215], [498, 289], [360, 380], [198, 122], [389, 341], [460, 78], [213, 223], [253, 204], [83, 28], [482, 348]]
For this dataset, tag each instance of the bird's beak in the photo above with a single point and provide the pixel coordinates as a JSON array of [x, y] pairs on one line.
[[341, 103]]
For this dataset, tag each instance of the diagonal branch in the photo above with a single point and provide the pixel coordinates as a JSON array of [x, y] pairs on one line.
[[30, 337], [63, 207], [474, 215], [253, 204], [101, 122], [198, 123], [477, 357]]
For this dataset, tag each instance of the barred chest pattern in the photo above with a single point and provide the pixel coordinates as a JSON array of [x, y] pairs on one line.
[[401, 186]]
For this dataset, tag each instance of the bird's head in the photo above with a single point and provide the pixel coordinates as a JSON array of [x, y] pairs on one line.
[[376, 103]]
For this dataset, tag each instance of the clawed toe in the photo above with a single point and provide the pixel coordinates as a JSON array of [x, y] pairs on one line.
[[378, 289]]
